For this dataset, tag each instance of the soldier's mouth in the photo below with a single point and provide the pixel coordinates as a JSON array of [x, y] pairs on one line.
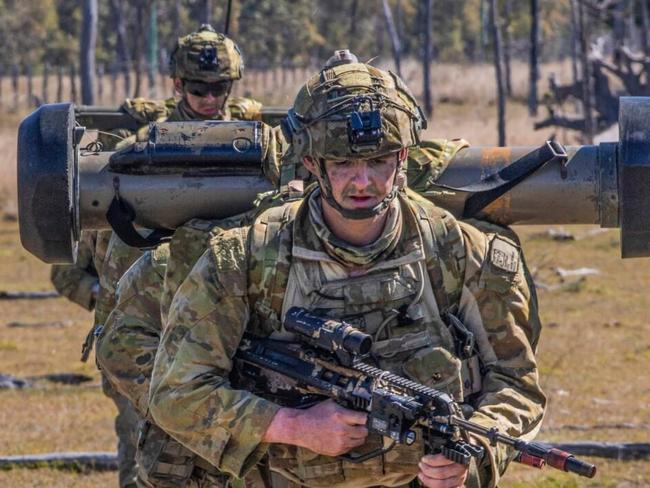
[[360, 200]]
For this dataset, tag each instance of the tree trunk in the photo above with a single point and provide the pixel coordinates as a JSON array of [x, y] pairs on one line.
[[426, 58], [394, 37], [645, 27], [207, 12], [87, 46], [507, 18], [587, 102], [124, 59], [46, 76], [114, 71], [100, 84], [152, 48], [618, 31], [59, 84], [575, 41], [501, 95], [353, 22], [533, 60], [399, 21], [485, 36], [138, 47], [30, 86], [73, 83], [15, 74]]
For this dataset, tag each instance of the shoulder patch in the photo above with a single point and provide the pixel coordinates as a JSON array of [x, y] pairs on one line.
[[504, 255]]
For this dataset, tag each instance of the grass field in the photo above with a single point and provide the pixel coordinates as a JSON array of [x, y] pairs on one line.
[[594, 354]]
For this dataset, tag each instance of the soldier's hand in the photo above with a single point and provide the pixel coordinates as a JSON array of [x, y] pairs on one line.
[[325, 428], [439, 472], [332, 430]]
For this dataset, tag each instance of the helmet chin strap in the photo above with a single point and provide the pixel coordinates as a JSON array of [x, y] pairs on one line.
[[356, 213]]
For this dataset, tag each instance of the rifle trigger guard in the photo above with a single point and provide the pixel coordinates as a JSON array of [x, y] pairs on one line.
[[369, 455]]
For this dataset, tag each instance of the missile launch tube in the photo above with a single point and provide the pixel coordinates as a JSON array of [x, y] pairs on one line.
[[64, 189]]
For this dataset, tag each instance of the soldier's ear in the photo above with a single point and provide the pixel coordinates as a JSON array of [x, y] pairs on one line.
[[402, 155], [311, 165], [178, 86]]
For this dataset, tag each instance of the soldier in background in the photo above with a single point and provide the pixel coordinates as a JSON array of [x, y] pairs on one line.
[[203, 65], [359, 248]]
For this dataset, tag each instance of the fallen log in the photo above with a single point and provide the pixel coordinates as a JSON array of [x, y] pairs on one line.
[[82, 461], [27, 295]]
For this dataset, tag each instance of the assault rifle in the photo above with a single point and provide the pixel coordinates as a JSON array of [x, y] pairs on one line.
[[327, 362]]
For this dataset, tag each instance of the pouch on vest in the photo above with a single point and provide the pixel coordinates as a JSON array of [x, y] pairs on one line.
[[436, 367], [162, 461]]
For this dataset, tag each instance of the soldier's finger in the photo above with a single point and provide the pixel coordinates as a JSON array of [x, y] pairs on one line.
[[357, 432], [443, 472], [351, 417], [455, 482], [435, 460]]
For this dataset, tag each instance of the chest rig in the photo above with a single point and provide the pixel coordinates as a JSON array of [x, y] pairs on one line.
[[401, 301]]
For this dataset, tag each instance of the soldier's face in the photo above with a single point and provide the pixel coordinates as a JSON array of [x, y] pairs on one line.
[[203, 99], [361, 183]]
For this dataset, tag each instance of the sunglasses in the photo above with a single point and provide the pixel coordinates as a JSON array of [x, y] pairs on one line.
[[199, 89]]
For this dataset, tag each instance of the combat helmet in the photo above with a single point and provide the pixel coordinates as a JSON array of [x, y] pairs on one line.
[[352, 110], [206, 56]]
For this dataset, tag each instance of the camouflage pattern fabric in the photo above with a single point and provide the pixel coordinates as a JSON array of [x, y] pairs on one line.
[[206, 56], [191, 396], [316, 127], [428, 161], [77, 281]]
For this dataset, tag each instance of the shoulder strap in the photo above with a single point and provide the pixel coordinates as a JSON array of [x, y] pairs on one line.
[[269, 243], [445, 253]]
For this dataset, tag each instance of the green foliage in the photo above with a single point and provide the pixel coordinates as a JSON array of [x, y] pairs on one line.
[[277, 32]]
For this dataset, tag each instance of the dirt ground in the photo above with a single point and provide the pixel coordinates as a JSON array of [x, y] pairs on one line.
[[594, 353]]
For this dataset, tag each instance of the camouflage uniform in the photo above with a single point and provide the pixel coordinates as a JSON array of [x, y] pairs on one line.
[[78, 282], [202, 56], [423, 265]]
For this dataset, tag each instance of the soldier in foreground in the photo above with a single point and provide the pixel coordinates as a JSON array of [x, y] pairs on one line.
[[356, 247], [203, 66]]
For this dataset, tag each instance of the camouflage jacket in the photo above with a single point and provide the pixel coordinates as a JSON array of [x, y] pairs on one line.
[[191, 397], [130, 336], [77, 281]]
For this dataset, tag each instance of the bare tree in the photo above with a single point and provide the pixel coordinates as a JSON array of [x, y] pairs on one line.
[[353, 21], [645, 27], [138, 41], [575, 40], [394, 37], [507, 45], [207, 12], [533, 60], [498, 70], [426, 58], [587, 102], [152, 47], [87, 46], [124, 59]]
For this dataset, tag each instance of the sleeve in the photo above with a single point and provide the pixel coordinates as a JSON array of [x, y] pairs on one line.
[[127, 346], [78, 282], [498, 304], [119, 257], [191, 397]]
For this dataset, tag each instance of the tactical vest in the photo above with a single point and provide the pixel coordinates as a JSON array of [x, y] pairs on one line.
[[399, 301]]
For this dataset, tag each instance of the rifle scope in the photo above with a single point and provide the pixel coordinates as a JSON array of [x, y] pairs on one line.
[[328, 334]]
